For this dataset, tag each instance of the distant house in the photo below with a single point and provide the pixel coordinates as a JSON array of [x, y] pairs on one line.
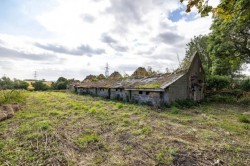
[[154, 90]]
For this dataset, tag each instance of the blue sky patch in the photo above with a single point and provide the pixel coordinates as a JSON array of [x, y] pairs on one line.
[[180, 13], [17, 18], [175, 16]]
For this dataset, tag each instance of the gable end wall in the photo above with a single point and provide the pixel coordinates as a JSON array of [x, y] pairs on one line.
[[177, 91]]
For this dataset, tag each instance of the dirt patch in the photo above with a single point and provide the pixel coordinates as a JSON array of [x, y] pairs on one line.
[[8, 110], [189, 157]]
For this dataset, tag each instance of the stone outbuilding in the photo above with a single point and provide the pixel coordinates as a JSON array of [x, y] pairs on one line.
[[159, 89]]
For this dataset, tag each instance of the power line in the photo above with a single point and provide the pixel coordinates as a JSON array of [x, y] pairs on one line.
[[107, 70], [35, 75]]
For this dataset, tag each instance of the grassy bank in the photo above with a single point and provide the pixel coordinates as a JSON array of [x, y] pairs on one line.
[[12, 96], [66, 129]]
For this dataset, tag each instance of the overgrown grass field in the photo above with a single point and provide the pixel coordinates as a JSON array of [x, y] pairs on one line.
[[66, 129]]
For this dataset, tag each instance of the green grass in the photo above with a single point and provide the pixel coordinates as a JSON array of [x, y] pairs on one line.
[[57, 128], [244, 119], [88, 137]]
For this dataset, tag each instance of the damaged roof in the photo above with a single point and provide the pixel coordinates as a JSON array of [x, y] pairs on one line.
[[140, 79], [156, 82]]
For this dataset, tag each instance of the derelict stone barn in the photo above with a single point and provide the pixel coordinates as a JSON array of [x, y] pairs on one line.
[[156, 89]]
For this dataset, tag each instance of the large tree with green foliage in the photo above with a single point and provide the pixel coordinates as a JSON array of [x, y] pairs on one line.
[[228, 45], [60, 84], [229, 41]]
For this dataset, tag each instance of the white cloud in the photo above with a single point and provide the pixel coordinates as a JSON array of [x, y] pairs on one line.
[[128, 31]]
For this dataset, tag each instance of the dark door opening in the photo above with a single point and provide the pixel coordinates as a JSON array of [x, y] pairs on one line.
[[109, 93], [130, 96]]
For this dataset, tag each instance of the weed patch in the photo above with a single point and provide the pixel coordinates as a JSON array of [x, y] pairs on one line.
[[86, 138], [119, 105], [244, 119], [12, 96], [175, 110], [165, 156]]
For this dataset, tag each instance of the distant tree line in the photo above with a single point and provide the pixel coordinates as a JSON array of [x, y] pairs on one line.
[[7, 83], [60, 84], [39, 85]]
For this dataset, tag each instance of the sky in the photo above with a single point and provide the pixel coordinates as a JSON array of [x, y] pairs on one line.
[[75, 38]]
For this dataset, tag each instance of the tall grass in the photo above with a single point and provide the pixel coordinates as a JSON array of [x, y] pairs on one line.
[[12, 96]]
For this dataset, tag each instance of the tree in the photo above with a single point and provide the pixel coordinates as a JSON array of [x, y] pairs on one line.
[[6, 83], [199, 44], [231, 29], [40, 86], [228, 45], [61, 79], [229, 41], [246, 85], [60, 84], [18, 84], [202, 5]]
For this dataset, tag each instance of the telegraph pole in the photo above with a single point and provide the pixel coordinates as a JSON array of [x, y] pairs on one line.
[[107, 70]]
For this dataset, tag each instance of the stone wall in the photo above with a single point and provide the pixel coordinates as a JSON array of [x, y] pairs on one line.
[[151, 98], [166, 99], [84, 91], [91, 91], [79, 91], [103, 92], [118, 94]]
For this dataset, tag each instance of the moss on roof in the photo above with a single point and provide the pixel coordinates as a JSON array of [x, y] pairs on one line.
[[149, 86]]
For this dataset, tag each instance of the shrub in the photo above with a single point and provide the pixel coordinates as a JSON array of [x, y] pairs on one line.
[[222, 99], [40, 86], [175, 110], [7, 83], [11, 96], [244, 100], [187, 103], [217, 82], [245, 85], [20, 84], [234, 92], [60, 84]]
